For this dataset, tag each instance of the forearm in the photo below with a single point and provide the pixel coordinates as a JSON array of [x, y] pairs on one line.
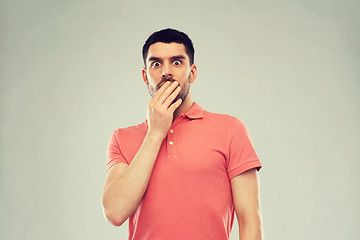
[[250, 228], [123, 194]]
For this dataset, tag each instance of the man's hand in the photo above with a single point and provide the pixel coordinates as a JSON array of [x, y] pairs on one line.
[[161, 109]]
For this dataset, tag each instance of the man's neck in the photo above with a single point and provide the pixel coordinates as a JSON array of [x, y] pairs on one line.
[[184, 107]]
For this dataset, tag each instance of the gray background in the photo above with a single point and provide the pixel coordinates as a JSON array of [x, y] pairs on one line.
[[70, 75]]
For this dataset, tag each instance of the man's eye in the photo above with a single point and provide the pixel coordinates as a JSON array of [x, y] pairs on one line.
[[156, 64], [176, 62]]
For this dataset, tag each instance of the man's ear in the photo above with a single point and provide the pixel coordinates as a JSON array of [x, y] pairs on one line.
[[143, 73], [193, 73]]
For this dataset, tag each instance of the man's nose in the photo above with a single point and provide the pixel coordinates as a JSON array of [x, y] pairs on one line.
[[166, 71]]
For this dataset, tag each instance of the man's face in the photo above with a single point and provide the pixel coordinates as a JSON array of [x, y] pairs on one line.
[[168, 62]]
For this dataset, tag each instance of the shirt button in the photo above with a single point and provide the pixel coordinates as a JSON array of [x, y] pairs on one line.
[[171, 142], [171, 131]]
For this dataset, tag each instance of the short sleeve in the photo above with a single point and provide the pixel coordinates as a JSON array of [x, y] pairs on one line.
[[242, 155], [114, 154]]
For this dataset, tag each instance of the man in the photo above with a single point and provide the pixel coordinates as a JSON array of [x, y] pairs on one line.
[[182, 172]]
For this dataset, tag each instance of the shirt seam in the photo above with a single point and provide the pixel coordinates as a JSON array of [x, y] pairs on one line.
[[118, 145], [229, 143]]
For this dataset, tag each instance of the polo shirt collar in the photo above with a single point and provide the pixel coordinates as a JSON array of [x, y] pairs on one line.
[[195, 111]]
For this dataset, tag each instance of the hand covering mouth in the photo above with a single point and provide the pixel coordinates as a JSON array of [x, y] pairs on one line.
[[164, 80]]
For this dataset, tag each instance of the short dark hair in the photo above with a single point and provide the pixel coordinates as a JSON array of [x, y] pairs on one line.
[[169, 35]]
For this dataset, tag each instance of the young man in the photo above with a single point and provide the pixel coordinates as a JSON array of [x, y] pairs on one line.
[[182, 172]]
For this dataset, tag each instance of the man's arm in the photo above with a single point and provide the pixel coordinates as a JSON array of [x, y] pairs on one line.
[[245, 191], [125, 185]]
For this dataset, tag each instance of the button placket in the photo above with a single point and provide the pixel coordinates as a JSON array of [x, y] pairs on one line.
[[171, 144]]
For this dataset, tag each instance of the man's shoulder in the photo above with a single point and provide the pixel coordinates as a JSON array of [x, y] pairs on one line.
[[138, 129], [220, 117], [227, 121]]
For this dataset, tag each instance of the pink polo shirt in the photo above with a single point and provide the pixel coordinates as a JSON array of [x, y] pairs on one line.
[[189, 193]]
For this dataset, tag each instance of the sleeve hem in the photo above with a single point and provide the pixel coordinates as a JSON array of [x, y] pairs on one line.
[[115, 161], [249, 165]]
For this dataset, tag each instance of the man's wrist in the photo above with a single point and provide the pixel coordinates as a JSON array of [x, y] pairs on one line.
[[155, 136]]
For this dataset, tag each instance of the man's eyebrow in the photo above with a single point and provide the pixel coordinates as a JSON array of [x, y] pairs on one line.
[[177, 57], [151, 59]]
